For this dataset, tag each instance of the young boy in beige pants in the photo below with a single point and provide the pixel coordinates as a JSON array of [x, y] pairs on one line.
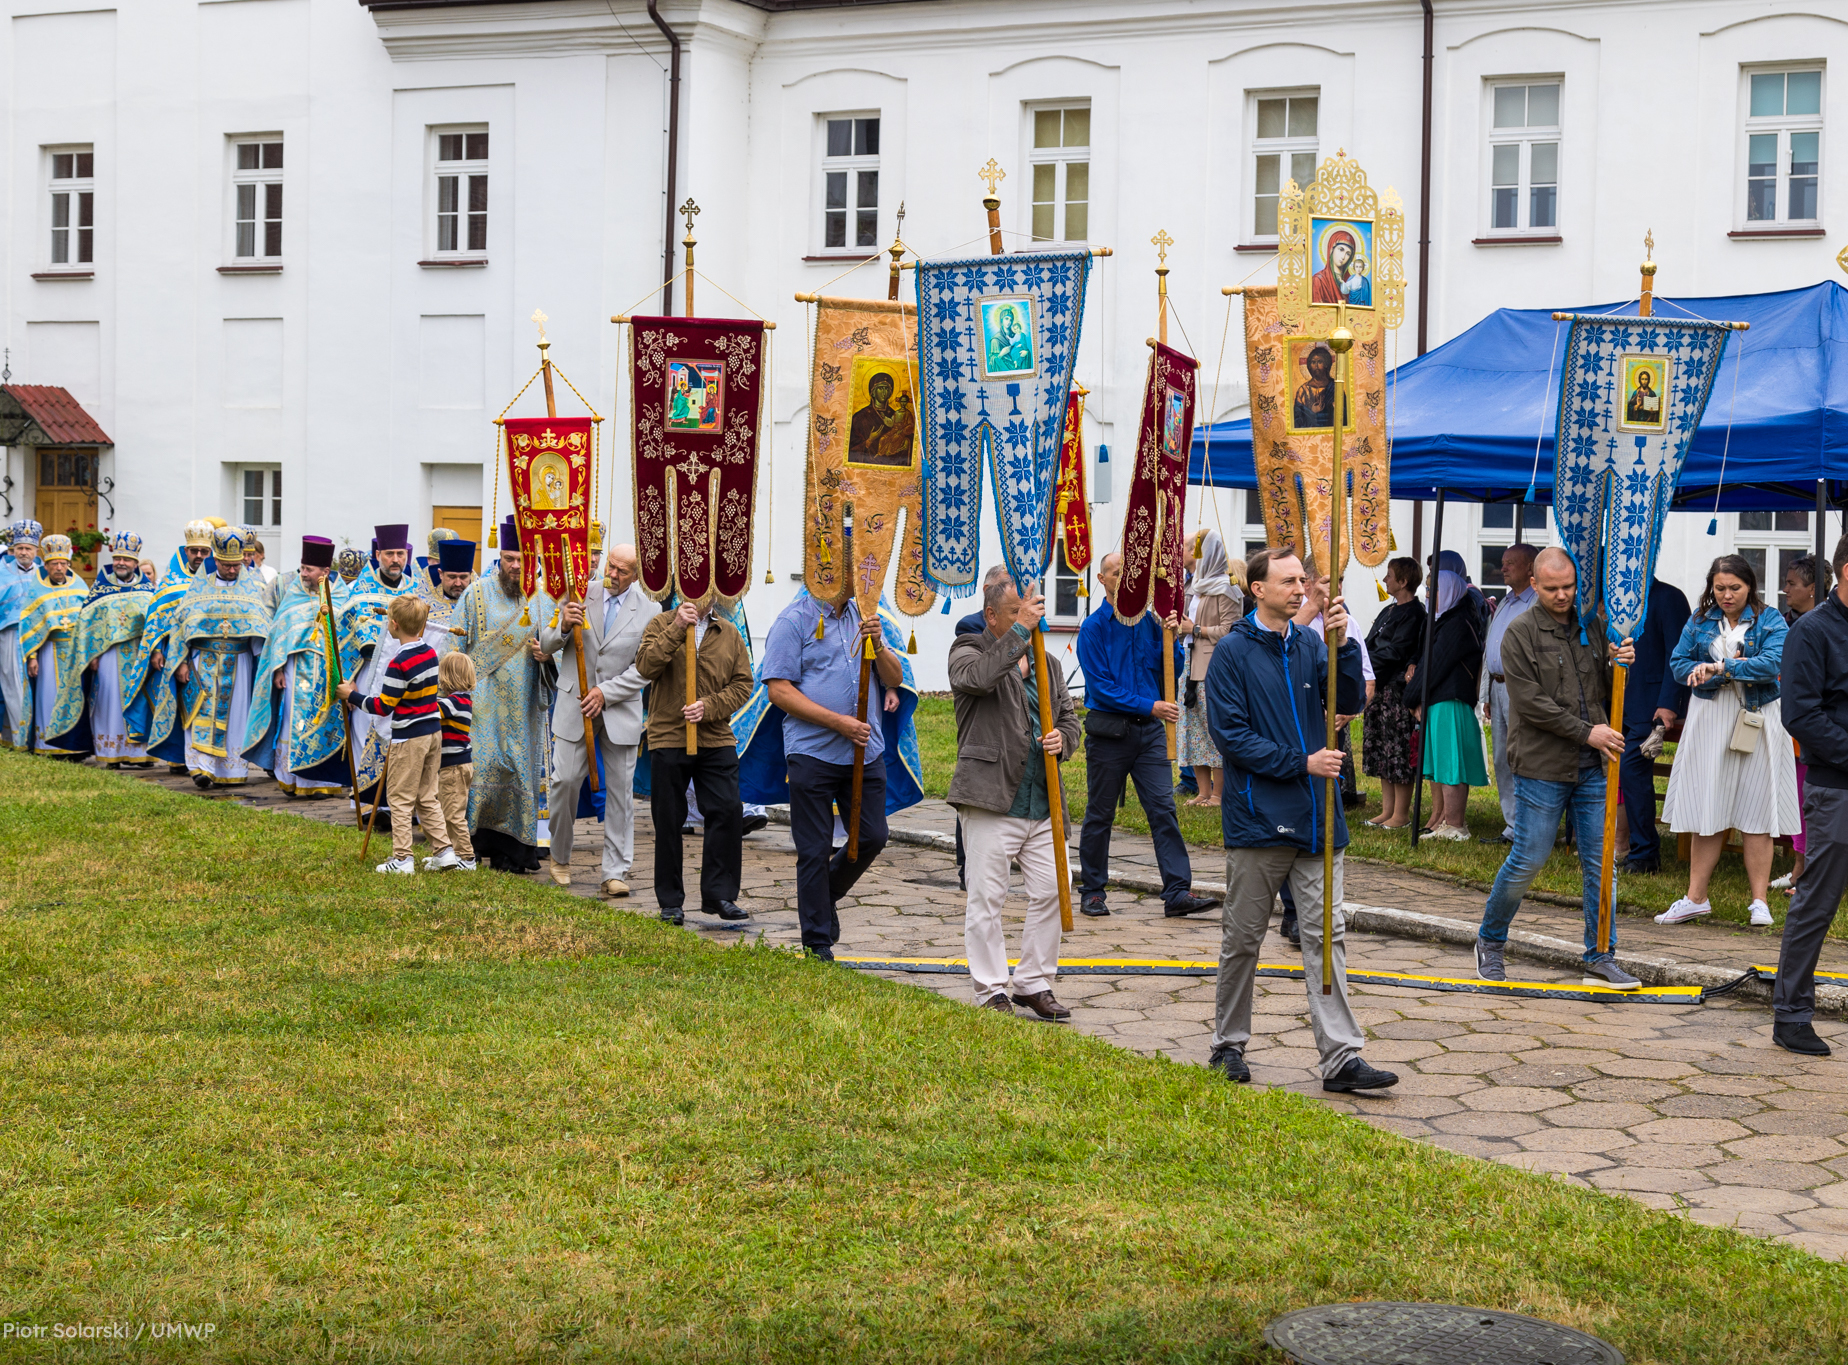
[[408, 699], [455, 679]]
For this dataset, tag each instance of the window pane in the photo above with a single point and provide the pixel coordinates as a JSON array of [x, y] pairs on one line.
[[1273, 118], [86, 165], [1761, 177], [1756, 558], [60, 210], [1077, 127], [478, 232], [1754, 521], [272, 201], [446, 193], [866, 194], [1497, 515], [272, 237], [272, 156], [1543, 163], [1543, 106], [247, 156], [86, 245], [476, 145], [834, 228], [1045, 182], [446, 232], [1789, 521], [1077, 222], [836, 186], [1505, 164], [1803, 154], [86, 209], [275, 497], [1267, 174], [1302, 115], [1804, 93], [1543, 206], [1064, 594], [866, 137], [478, 194], [1802, 197], [246, 238], [1803, 148], [1046, 127], [449, 147], [1768, 94], [840, 137], [1042, 222], [1077, 182], [1503, 204], [1510, 106], [1302, 168], [1491, 564], [61, 165], [866, 227], [1264, 215], [60, 246]]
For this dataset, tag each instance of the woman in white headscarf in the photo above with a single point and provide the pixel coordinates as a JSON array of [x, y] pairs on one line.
[[1214, 605], [1444, 698]]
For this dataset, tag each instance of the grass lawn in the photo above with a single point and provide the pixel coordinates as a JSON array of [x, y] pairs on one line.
[[343, 1117], [1478, 862]]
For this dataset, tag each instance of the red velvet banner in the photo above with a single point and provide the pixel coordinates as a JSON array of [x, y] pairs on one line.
[[1154, 560], [549, 475], [699, 386], [1073, 511]]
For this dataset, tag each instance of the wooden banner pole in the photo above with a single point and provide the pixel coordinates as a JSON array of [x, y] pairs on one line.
[[571, 592], [378, 797], [335, 678], [690, 211], [1340, 341], [1161, 241]]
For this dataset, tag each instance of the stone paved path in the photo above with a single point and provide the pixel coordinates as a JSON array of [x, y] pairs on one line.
[[1688, 1108]]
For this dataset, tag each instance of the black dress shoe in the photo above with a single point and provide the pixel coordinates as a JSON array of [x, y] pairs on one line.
[[1642, 869], [1291, 932], [1800, 1039], [1041, 1005], [1493, 839], [674, 916], [1357, 1075], [726, 910], [1094, 907], [689, 828], [202, 781], [1230, 1063], [820, 954], [1190, 904], [753, 823]]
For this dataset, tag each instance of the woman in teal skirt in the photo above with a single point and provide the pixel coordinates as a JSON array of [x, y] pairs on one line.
[[1443, 698]]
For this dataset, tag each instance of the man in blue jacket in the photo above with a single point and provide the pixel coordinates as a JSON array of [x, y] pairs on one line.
[[1266, 700], [1651, 695], [1125, 740]]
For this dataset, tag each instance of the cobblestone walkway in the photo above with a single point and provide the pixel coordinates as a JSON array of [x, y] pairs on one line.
[[1688, 1108]]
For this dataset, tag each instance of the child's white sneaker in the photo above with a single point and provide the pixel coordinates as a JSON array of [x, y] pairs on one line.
[[442, 862], [404, 865]]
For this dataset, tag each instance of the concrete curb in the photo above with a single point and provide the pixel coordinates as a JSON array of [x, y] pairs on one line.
[[1374, 919]]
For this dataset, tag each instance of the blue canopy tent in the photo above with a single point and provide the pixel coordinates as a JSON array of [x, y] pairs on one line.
[[1475, 417]]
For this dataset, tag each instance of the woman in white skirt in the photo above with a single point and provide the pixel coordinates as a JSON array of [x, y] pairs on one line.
[[1734, 767]]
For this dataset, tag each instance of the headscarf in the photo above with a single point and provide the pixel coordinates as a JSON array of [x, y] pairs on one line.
[[1449, 561], [1451, 589], [1212, 577]]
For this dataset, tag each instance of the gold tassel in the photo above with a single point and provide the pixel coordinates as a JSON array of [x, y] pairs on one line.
[[821, 621], [1083, 591], [493, 538], [912, 648], [526, 613], [1392, 543], [1381, 589], [769, 577], [596, 538]]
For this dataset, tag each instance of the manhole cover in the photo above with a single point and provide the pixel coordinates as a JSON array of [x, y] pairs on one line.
[[1430, 1334]]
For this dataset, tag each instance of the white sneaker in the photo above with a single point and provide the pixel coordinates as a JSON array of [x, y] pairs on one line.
[[1451, 833], [1684, 910], [443, 861], [465, 864], [1761, 915], [404, 865], [1783, 883]]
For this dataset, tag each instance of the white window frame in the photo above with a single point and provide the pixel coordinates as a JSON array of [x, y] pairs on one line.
[[257, 180], [1285, 148], [270, 499], [1782, 126], [851, 165], [465, 172], [1772, 545], [1062, 160], [1059, 572], [1524, 138], [71, 188]]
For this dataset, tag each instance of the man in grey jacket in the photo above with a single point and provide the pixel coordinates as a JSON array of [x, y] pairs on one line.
[[613, 614], [999, 789]]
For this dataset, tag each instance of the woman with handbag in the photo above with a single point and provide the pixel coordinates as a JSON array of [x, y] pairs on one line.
[[1214, 606], [1395, 644], [1734, 767], [1443, 701]]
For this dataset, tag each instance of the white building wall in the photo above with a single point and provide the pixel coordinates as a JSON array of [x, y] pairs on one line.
[[372, 379]]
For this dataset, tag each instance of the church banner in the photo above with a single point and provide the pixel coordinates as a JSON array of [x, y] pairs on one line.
[[1154, 563], [1069, 503], [1630, 397], [864, 500], [549, 471], [998, 337], [1292, 435], [699, 399]]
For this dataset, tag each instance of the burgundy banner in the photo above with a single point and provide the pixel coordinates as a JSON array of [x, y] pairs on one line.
[[549, 474], [699, 385], [1154, 562]]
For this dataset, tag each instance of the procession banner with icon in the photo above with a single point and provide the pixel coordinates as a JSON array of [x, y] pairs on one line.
[[549, 474], [864, 499], [1154, 557], [1069, 503], [699, 386], [998, 337]]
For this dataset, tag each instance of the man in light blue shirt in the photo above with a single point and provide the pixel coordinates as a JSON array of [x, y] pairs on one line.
[[1517, 566], [811, 670]]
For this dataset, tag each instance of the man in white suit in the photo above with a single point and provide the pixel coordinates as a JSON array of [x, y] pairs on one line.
[[613, 615]]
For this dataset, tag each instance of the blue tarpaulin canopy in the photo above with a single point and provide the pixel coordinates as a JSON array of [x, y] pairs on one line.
[[1468, 416]]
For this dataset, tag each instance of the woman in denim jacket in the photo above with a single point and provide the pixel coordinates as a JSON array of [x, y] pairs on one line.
[[1734, 767]]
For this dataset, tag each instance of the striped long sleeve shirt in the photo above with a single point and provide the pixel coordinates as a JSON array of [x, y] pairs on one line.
[[408, 696], [458, 714]]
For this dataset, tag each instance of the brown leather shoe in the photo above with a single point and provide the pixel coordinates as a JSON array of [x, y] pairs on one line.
[[1044, 1007], [616, 889], [999, 1002]]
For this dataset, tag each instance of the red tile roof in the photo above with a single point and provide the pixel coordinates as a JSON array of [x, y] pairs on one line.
[[58, 415]]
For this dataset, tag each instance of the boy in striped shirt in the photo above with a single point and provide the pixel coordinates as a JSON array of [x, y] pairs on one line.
[[408, 698], [455, 679]]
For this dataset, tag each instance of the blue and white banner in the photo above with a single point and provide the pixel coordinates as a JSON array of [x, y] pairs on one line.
[[997, 340], [1632, 393]]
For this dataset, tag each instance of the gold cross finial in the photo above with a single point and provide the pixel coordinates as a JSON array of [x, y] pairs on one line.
[[1649, 242], [689, 211], [1842, 260], [541, 319], [1161, 241], [993, 174]]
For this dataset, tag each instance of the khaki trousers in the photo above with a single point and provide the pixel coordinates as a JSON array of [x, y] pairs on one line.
[[990, 842], [412, 788], [452, 786]]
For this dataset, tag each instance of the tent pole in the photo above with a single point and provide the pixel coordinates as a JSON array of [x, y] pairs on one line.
[[1822, 560], [1424, 666]]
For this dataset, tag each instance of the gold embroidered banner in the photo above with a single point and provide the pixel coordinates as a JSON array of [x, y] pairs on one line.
[[1292, 441], [863, 476]]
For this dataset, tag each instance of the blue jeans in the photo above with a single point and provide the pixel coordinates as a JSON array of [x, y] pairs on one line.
[[1539, 804]]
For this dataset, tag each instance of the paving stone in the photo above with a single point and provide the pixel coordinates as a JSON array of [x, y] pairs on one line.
[[1590, 1114], [1623, 1088], [1822, 1244], [1603, 1140], [1657, 1179], [1463, 1063], [1706, 1107], [1670, 1154], [1772, 1175], [1514, 1099], [1537, 1069], [1763, 1225], [1487, 1125], [1472, 1146], [1830, 1220], [1786, 1147], [1694, 1130], [1749, 1199], [1641, 1067], [1570, 1163]]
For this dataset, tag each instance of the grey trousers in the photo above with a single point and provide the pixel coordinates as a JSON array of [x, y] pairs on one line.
[[1504, 776], [1813, 907], [570, 768], [1253, 877]]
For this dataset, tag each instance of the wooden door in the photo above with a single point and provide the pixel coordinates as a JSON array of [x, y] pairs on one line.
[[65, 503], [464, 521]]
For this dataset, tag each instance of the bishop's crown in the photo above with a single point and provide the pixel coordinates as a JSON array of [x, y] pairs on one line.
[[25, 531], [125, 543], [55, 547]]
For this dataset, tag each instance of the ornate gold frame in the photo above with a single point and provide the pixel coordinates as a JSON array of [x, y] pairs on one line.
[[1340, 190]]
